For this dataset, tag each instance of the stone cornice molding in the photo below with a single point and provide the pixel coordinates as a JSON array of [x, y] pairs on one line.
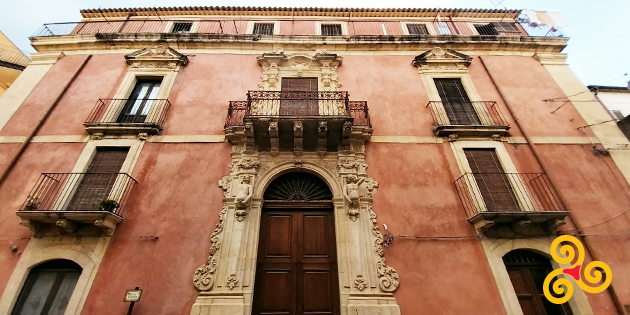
[[437, 55], [158, 57]]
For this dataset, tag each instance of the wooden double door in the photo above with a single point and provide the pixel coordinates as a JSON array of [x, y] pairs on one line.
[[296, 270]]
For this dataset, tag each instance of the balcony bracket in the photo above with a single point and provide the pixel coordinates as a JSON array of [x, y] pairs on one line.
[[249, 136], [34, 226], [67, 225], [298, 140], [346, 133], [273, 138], [108, 226], [322, 140]]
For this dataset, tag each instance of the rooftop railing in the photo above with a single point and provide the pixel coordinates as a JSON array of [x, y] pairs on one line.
[[276, 104], [294, 27]]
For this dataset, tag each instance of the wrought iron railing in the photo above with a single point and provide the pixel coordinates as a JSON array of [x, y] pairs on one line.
[[63, 192], [129, 111], [322, 104], [300, 27], [467, 113], [506, 192]]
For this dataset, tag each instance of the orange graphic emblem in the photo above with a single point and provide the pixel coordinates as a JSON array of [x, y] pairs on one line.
[[591, 275]]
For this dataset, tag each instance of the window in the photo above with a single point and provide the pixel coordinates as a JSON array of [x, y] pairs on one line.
[[443, 28], [498, 28], [527, 271], [48, 288], [181, 27], [299, 104], [493, 182], [417, 29], [139, 103], [100, 178], [263, 29], [331, 29], [459, 109]]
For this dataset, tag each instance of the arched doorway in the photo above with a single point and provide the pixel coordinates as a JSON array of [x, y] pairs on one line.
[[296, 270], [528, 271]]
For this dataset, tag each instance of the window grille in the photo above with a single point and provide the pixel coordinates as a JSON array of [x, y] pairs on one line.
[[263, 29], [443, 28], [331, 29], [417, 29], [181, 27]]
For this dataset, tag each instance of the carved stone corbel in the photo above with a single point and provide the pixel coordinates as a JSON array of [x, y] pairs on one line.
[[67, 225], [298, 141], [273, 138], [203, 279], [388, 278], [322, 141]]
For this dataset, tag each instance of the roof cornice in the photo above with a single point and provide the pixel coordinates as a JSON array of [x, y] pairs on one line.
[[288, 11]]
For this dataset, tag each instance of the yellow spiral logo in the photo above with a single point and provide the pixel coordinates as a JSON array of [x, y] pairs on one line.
[[566, 254]]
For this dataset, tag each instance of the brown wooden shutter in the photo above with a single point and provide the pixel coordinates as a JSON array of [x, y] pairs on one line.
[[527, 271], [99, 179], [456, 103], [491, 179], [299, 104]]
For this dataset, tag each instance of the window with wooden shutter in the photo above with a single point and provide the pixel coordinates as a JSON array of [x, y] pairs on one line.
[[48, 288], [299, 104], [99, 179], [491, 179], [417, 29], [527, 271], [457, 105], [331, 30]]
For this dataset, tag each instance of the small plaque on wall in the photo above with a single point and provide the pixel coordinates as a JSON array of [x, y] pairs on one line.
[[133, 295]]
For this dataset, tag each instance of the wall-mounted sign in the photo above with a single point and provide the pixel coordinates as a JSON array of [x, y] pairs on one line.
[[133, 295]]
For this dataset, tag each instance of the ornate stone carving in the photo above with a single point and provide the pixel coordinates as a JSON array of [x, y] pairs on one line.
[[351, 194], [387, 276], [143, 136], [97, 136], [243, 196], [452, 137], [248, 163], [360, 283], [203, 278], [348, 164], [371, 187], [275, 61], [158, 57], [225, 184], [496, 137], [231, 281], [298, 163]]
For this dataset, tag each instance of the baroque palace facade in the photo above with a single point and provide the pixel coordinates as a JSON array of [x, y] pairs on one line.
[[368, 161]]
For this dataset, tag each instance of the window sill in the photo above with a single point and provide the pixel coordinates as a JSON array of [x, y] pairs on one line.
[[122, 128], [471, 130]]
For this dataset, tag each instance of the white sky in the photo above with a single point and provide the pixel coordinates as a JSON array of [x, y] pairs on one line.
[[598, 49]]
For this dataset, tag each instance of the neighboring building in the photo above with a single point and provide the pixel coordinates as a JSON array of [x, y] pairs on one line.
[[616, 100], [462, 131], [12, 62]]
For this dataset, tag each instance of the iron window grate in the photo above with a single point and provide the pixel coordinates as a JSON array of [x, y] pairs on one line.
[[331, 29], [181, 27], [263, 29], [417, 29]]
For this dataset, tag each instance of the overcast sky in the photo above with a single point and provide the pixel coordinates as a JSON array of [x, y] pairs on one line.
[[598, 49]]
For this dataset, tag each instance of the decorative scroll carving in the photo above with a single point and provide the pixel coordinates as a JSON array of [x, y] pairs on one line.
[[203, 278], [143, 136], [231, 281], [97, 136], [387, 276], [348, 164], [360, 283], [225, 184], [452, 137]]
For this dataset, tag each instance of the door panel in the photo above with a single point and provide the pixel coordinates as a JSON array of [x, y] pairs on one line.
[[297, 251]]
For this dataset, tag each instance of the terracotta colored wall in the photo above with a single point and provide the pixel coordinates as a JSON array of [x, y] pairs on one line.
[[177, 199], [417, 197], [203, 90], [38, 158]]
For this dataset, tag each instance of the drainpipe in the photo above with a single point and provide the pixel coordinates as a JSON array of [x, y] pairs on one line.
[[40, 123], [611, 289]]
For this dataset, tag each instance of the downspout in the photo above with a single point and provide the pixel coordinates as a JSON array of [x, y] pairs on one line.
[[611, 289], [40, 123]]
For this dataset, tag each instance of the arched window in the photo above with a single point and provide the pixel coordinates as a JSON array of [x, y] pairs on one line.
[[48, 288], [528, 271], [297, 187]]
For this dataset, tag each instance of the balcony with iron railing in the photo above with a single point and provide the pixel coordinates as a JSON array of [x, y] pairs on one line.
[[77, 202], [468, 119], [297, 121], [371, 29], [127, 116], [511, 204]]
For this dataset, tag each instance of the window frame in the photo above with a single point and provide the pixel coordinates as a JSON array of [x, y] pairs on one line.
[[171, 25], [344, 27], [429, 25], [251, 25]]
